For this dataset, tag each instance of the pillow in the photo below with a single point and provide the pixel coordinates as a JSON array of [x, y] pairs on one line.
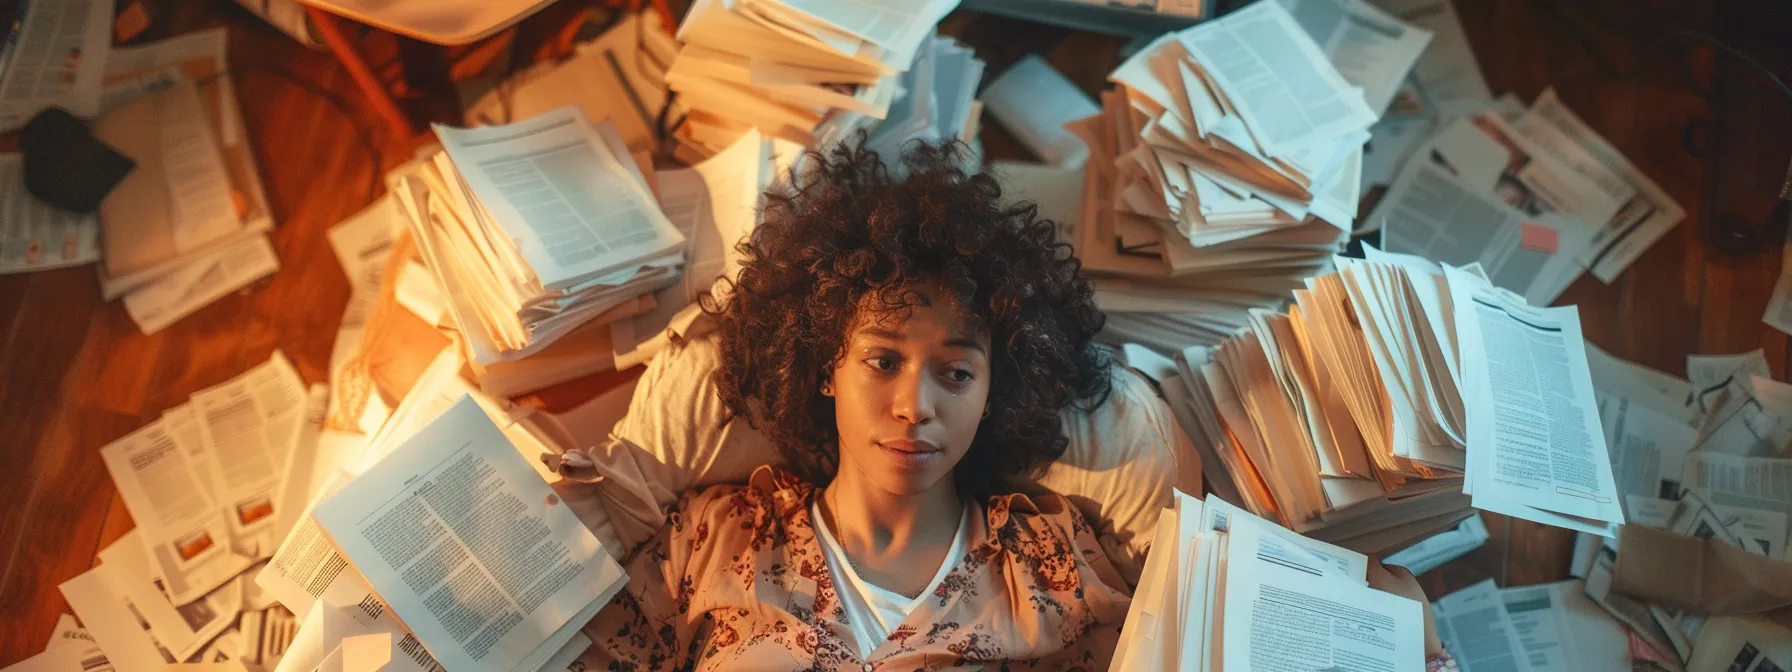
[[1118, 470]]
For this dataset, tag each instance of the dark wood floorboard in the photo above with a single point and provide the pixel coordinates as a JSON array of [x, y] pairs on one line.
[[77, 375]]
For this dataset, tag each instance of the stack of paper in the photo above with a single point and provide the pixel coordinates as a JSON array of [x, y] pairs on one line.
[[204, 484], [1390, 390], [786, 66], [537, 232], [555, 259], [937, 102], [188, 225], [1223, 171], [1225, 590]]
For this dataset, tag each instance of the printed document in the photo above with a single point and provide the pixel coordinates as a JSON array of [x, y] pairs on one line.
[[1563, 630], [37, 236], [555, 188], [1287, 93], [1742, 644], [183, 629], [56, 59], [184, 530], [1536, 447], [1441, 548], [248, 423], [1648, 447], [1285, 610], [1447, 71], [1474, 625], [1370, 48], [465, 540]]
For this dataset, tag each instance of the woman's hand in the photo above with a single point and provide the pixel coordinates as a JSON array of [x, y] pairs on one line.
[[1398, 581]]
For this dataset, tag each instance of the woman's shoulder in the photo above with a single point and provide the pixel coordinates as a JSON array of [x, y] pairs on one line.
[[1034, 510], [769, 493]]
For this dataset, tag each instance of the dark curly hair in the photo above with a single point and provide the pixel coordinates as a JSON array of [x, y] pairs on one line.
[[845, 232]]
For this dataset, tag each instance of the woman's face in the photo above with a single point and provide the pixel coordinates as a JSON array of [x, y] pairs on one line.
[[909, 393]]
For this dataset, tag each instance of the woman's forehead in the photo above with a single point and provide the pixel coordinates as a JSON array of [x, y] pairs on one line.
[[921, 311]]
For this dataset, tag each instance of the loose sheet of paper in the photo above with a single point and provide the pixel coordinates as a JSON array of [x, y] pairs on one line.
[[455, 522], [1536, 446], [56, 58], [1369, 47], [169, 298], [1474, 625]]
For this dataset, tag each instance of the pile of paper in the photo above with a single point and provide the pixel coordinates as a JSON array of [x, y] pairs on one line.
[[204, 484], [1551, 627], [554, 258], [937, 102], [1225, 590], [1388, 392], [1223, 171], [786, 66], [1696, 458], [537, 232]]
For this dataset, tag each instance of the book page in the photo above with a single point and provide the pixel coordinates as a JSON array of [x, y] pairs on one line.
[[469, 545], [1288, 95], [566, 201], [1536, 444]]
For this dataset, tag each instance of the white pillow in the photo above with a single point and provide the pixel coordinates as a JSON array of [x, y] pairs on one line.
[[1118, 470]]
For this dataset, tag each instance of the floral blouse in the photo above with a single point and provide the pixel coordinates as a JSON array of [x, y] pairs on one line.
[[737, 581]]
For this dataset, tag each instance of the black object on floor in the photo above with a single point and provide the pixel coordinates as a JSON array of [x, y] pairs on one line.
[[65, 165]]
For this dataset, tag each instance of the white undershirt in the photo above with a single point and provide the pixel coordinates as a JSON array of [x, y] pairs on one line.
[[871, 611]]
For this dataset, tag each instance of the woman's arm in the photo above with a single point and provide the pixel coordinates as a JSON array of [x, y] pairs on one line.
[[1399, 581]]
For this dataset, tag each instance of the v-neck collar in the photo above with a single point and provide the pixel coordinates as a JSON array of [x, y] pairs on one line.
[[960, 542]]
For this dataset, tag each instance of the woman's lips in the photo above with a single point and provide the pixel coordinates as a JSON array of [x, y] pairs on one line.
[[910, 454]]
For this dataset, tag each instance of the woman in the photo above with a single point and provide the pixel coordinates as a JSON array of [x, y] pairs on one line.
[[908, 344]]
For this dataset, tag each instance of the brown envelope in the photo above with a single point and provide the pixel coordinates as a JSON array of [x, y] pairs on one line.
[[1701, 575]]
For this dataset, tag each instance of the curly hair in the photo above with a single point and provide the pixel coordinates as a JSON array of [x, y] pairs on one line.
[[845, 234]]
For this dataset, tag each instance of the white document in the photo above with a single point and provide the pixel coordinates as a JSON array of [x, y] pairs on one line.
[[184, 531], [1648, 447], [1428, 213], [327, 628], [74, 658], [1287, 93], [471, 546], [248, 424], [128, 644], [1283, 612], [1034, 101], [1536, 447], [1447, 70], [68, 632], [1474, 626], [183, 629], [56, 58], [171, 297], [1441, 548], [37, 236], [1369, 47], [1755, 483], [1708, 373], [1644, 217], [1563, 630], [557, 190], [1779, 306], [1618, 378]]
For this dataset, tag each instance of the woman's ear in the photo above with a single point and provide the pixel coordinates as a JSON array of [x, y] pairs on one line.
[[827, 386]]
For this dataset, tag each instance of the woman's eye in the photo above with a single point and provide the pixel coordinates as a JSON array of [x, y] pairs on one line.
[[959, 375], [881, 363]]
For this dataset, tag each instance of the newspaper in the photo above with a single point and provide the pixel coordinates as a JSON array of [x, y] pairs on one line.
[[248, 423], [37, 236], [1446, 71], [183, 629], [1474, 625], [55, 59], [1648, 447], [1755, 483], [1742, 644], [1542, 453]]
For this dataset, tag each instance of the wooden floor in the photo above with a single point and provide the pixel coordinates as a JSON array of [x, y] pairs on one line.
[[76, 373]]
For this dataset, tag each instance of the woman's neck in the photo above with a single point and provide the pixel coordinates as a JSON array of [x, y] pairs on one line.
[[873, 520]]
